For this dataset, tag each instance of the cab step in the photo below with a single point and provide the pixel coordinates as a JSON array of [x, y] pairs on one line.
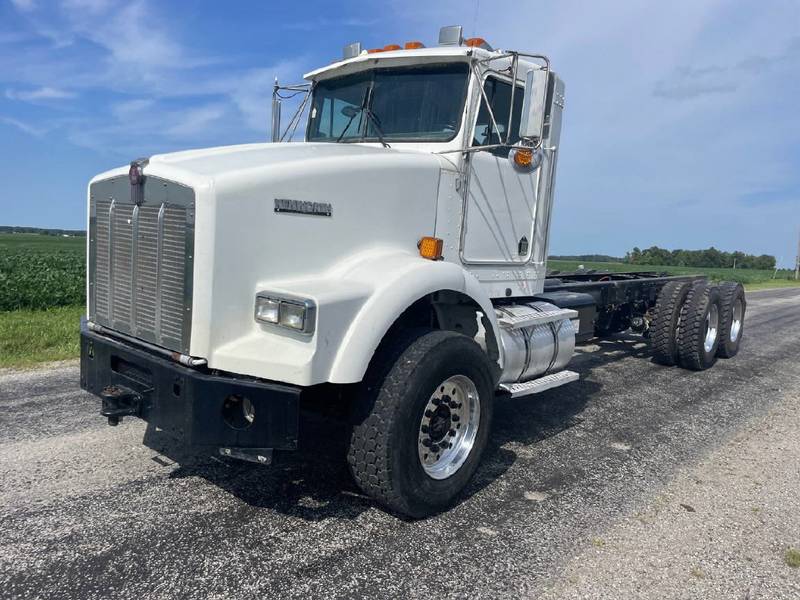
[[534, 386], [539, 318]]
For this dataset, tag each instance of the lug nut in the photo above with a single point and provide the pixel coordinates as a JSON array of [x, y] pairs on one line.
[[425, 429], [429, 413], [451, 433], [426, 442], [435, 448], [455, 418], [437, 401]]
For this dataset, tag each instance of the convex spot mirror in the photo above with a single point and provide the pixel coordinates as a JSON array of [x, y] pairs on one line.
[[531, 125]]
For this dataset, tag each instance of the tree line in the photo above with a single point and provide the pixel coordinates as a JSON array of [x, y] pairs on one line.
[[710, 257], [41, 231]]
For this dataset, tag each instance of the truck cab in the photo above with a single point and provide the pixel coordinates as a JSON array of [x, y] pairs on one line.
[[393, 262]]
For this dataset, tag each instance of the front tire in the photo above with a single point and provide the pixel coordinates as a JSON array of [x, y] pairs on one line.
[[430, 391]]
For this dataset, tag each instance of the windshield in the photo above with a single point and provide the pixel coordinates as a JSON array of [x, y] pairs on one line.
[[412, 104]]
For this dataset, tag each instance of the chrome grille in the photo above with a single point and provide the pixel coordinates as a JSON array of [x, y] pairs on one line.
[[141, 259]]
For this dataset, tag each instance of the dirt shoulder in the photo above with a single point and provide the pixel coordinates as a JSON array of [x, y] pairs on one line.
[[724, 528]]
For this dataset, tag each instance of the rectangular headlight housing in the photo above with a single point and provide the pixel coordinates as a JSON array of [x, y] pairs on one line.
[[296, 314]]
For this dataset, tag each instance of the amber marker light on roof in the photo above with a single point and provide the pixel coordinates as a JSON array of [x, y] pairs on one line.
[[389, 47], [431, 248], [476, 42], [374, 50], [414, 45]]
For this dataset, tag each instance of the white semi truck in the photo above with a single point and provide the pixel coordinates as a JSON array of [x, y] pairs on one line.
[[393, 263]]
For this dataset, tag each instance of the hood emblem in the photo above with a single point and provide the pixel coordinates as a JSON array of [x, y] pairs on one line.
[[303, 207], [136, 178]]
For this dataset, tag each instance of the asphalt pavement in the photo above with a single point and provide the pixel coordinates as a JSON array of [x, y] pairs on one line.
[[90, 511]]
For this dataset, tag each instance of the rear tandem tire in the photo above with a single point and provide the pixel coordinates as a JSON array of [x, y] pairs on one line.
[[732, 318], [666, 316], [698, 332], [406, 376]]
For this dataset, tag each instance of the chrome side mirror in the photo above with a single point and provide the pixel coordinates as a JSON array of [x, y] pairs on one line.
[[531, 125]]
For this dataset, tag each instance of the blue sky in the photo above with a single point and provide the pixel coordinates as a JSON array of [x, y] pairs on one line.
[[682, 124]]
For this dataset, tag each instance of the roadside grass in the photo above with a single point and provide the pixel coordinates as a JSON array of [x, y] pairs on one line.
[[28, 337], [752, 279], [792, 557]]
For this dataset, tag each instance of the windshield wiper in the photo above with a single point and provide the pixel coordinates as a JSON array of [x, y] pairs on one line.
[[350, 111], [377, 125]]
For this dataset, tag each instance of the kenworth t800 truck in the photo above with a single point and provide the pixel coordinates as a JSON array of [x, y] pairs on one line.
[[392, 263]]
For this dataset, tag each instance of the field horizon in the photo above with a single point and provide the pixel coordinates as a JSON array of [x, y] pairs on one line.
[[42, 292]]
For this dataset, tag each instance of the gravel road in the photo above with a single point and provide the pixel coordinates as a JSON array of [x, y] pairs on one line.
[[636, 481]]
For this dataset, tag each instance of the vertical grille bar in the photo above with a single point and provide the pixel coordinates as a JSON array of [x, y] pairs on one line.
[[159, 247], [134, 259], [142, 259]]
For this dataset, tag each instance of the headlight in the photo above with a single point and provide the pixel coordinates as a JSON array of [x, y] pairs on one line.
[[267, 310], [293, 313]]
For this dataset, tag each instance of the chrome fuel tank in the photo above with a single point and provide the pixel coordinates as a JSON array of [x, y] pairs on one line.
[[533, 351]]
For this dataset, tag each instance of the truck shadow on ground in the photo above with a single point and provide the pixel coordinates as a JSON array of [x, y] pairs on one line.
[[314, 483]]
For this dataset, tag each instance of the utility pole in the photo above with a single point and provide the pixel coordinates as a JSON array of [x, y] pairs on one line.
[[797, 260]]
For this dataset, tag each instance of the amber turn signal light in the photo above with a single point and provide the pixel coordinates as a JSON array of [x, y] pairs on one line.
[[523, 158], [431, 248]]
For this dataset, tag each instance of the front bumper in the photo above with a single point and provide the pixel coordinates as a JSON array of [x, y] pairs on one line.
[[194, 406]]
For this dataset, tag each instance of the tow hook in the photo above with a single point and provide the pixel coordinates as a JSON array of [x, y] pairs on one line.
[[119, 402]]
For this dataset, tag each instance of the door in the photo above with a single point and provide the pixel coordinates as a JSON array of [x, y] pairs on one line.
[[501, 199]]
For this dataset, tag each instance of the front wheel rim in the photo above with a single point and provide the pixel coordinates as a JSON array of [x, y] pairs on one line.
[[449, 427], [712, 323]]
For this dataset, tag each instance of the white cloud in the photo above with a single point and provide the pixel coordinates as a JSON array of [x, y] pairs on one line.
[[24, 127], [24, 5], [193, 122], [41, 93]]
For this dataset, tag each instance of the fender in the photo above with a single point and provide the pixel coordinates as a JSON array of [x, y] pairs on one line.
[[397, 280], [357, 302]]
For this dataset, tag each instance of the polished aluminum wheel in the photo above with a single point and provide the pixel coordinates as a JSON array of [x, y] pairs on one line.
[[712, 325], [449, 426], [736, 319]]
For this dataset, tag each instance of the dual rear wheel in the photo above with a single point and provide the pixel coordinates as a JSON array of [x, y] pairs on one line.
[[694, 323]]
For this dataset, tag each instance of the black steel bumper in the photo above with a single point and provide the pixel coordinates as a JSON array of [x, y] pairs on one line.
[[196, 407]]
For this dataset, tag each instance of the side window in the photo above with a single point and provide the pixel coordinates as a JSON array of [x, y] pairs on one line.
[[499, 95]]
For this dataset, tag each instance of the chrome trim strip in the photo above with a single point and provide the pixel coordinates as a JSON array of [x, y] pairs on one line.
[[183, 359]]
